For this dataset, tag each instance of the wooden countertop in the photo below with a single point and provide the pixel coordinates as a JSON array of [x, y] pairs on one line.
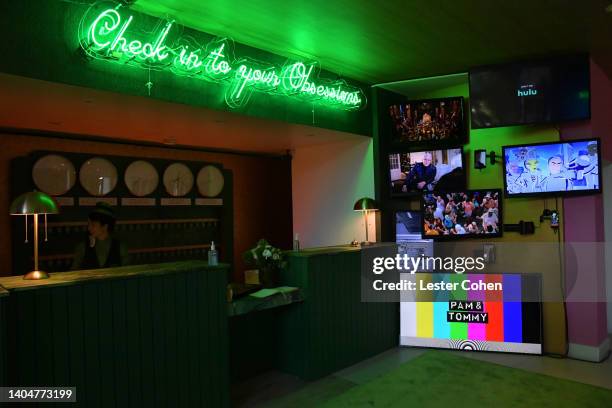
[[3, 292], [337, 249], [17, 283]]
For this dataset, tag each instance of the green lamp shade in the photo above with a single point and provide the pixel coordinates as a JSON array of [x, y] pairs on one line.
[[33, 202], [365, 204]]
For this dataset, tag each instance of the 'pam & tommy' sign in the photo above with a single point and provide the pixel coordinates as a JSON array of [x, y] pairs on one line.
[[108, 31]]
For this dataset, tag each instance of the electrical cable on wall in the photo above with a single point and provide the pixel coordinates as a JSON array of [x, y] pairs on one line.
[[313, 114], [563, 288]]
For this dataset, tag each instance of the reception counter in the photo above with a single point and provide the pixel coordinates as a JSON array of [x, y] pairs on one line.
[[147, 335], [157, 335], [332, 328], [328, 329]]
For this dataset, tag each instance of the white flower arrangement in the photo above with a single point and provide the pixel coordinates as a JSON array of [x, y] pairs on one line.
[[264, 255]]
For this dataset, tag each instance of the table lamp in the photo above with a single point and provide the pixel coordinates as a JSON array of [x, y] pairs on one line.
[[365, 205], [34, 203]]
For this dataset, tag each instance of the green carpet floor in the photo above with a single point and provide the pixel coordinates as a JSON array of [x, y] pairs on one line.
[[439, 379]]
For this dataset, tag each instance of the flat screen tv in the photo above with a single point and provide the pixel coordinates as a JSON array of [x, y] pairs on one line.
[[426, 170], [544, 91], [431, 122], [470, 316], [408, 225], [558, 168], [462, 214], [408, 235]]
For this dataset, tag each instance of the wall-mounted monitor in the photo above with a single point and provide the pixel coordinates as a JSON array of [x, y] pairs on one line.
[[543, 91], [462, 214], [408, 225], [505, 315], [565, 168], [427, 170], [408, 235], [431, 123]]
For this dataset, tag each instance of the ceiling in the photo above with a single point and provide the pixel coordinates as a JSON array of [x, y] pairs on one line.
[[391, 40], [414, 88]]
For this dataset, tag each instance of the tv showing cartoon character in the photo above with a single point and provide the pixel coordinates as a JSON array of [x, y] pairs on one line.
[[558, 168]]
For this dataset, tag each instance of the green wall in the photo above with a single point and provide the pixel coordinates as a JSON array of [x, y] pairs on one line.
[[514, 210]]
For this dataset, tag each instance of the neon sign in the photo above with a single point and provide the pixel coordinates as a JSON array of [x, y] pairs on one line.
[[108, 34]]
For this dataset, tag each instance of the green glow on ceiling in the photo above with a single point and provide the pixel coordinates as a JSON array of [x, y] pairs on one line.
[[104, 33]]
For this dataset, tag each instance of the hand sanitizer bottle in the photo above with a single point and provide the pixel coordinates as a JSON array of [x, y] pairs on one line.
[[213, 258], [296, 243]]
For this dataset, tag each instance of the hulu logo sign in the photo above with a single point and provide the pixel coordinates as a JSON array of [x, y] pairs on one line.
[[526, 91]]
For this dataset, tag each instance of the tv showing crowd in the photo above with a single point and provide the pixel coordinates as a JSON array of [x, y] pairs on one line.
[[472, 212]]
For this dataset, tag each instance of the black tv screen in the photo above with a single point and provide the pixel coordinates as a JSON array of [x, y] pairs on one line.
[[462, 214], [426, 170], [544, 91], [432, 122], [408, 225], [572, 167]]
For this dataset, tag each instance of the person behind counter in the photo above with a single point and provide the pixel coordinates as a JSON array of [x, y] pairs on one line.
[[100, 249]]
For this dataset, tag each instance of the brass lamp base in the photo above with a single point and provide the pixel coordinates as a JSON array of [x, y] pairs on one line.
[[36, 275]]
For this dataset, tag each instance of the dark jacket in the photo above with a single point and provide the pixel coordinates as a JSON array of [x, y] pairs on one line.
[[420, 173], [90, 261]]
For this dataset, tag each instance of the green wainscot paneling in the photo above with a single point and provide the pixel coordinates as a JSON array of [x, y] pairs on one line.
[[332, 329], [146, 336], [3, 300]]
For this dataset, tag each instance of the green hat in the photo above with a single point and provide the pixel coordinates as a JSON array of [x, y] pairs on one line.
[[105, 209]]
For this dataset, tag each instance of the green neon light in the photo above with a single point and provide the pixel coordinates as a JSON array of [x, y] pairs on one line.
[[111, 36], [106, 36]]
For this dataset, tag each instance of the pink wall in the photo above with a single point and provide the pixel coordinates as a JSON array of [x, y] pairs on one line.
[[583, 222], [327, 179]]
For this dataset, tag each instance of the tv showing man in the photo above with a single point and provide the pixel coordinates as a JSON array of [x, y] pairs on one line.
[[423, 171]]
